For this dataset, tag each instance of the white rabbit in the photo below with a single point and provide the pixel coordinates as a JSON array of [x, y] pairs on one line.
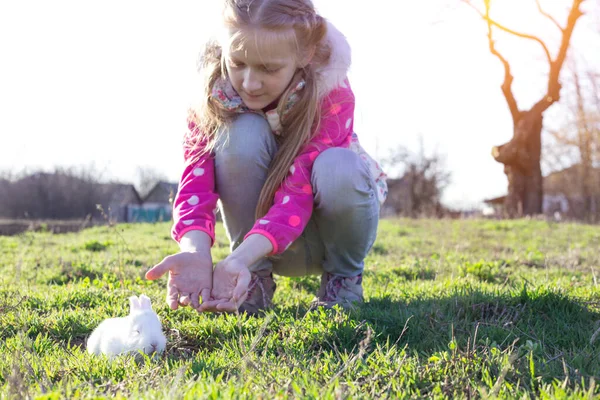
[[139, 331]]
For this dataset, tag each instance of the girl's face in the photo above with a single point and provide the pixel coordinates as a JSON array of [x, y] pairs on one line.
[[262, 67]]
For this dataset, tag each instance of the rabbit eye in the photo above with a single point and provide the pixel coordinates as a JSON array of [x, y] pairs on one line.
[[136, 333]]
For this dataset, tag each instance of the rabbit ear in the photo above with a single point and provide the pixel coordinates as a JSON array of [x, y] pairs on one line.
[[134, 303], [145, 302]]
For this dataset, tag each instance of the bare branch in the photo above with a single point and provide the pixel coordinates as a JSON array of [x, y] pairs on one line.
[[594, 80], [557, 154], [550, 17], [486, 17], [554, 86], [561, 137], [523, 35], [508, 78]]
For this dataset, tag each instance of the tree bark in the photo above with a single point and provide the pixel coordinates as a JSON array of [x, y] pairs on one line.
[[521, 158]]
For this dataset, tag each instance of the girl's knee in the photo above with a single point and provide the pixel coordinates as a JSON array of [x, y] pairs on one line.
[[341, 178]]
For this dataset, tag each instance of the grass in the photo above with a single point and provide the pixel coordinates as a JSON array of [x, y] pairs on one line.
[[454, 309]]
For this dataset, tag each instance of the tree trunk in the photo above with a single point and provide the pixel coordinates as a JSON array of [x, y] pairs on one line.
[[521, 158], [521, 155]]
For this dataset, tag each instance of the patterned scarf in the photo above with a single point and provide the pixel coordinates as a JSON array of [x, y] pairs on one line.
[[230, 100]]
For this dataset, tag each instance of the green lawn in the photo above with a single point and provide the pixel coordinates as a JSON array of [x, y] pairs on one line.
[[453, 309]]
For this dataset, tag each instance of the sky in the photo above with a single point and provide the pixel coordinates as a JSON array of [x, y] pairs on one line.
[[107, 85]]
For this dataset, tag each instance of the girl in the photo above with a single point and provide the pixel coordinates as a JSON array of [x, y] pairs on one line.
[[274, 142]]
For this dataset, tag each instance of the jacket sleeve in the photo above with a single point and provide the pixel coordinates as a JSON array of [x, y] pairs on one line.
[[196, 200], [293, 202]]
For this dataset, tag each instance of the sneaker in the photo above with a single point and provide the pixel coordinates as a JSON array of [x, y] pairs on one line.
[[341, 290], [260, 294]]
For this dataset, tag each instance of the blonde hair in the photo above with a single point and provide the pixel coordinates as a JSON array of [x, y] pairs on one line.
[[301, 122]]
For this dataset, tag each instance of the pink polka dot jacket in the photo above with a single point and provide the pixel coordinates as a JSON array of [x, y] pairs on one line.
[[195, 204]]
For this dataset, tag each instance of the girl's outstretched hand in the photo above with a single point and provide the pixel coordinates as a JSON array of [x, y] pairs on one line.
[[231, 278], [190, 277]]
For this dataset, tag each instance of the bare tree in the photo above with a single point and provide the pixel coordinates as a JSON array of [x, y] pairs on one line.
[[147, 178], [423, 179], [578, 140], [586, 145], [5, 182], [65, 193], [521, 155]]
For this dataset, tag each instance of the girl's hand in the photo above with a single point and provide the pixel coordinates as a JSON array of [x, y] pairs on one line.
[[190, 277], [231, 278]]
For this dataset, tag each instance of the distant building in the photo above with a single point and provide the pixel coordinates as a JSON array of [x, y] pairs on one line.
[[157, 206], [117, 199], [563, 194], [162, 193]]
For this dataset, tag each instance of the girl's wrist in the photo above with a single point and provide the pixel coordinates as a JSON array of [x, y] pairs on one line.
[[195, 241], [254, 248]]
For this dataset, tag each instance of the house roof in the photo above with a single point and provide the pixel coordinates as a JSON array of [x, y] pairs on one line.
[[119, 192], [166, 187], [568, 180], [169, 186], [496, 200]]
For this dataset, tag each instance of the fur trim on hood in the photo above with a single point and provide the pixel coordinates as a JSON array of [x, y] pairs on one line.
[[335, 72]]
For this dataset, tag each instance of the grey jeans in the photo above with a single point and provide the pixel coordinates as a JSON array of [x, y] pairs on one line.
[[345, 216]]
